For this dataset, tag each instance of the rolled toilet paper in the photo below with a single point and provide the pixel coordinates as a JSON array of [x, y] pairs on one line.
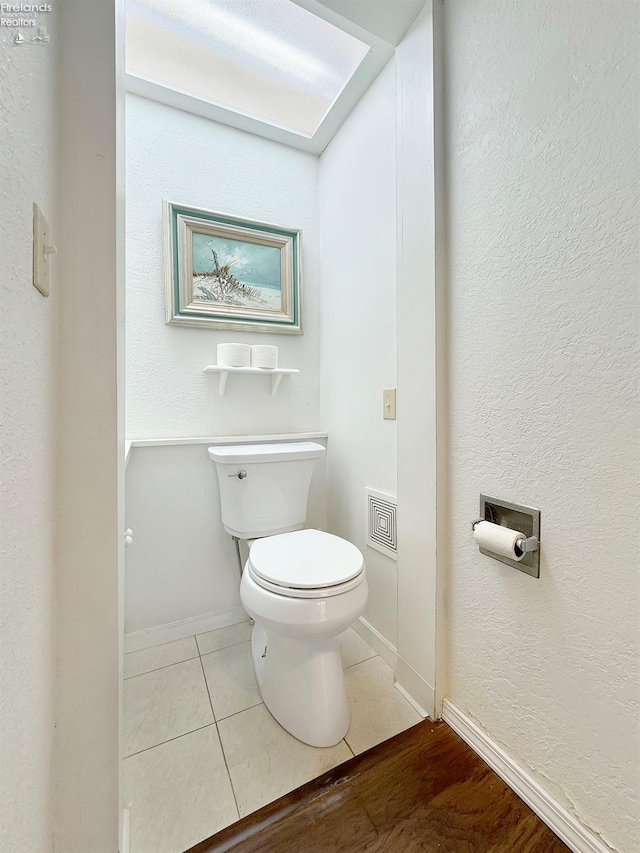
[[234, 355], [499, 540], [265, 356]]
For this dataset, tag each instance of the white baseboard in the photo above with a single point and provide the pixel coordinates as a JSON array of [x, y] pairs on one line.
[[565, 825], [378, 643], [414, 688], [148, 637]]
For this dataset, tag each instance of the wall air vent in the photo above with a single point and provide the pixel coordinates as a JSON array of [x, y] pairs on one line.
[[382, 529]]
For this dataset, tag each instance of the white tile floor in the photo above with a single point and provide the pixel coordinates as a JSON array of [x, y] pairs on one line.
[[201, 749]]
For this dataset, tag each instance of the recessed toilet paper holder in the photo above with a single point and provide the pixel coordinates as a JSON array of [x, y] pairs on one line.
[[516, 517], [528, 544]]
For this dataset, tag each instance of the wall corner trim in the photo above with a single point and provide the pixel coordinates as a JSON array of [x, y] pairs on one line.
[[565, 825], [415, 705], [387, 651], [415, 688]]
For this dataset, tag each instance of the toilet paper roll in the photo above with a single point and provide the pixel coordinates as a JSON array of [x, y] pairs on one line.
[[234, 355], [498, 539], [264, 356]]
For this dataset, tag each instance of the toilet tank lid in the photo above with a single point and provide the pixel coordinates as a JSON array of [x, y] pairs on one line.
[[305, 559], [238, 453]]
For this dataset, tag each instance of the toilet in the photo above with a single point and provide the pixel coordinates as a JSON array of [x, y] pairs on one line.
[[302, 587]]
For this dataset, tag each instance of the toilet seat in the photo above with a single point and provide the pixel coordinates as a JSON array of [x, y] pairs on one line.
[[306, 564], [297, 592]]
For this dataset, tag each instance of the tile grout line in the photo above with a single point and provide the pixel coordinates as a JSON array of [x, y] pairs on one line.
[[224, 757], [169, 740], [239, 643], [165, 665], [212, 651], [206, 684], [157, 668], [351, 750], [222, 648], [364, 660], [235, 713]]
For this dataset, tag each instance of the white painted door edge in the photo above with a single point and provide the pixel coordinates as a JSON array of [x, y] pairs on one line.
[[565, 825], [125, 831]]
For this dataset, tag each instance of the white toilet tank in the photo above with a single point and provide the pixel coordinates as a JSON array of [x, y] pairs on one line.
[[264, 488]]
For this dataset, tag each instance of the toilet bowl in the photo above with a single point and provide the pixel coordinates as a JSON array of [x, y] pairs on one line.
[[303, 589]]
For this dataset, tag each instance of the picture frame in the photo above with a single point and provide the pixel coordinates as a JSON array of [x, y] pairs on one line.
[[224, 272]]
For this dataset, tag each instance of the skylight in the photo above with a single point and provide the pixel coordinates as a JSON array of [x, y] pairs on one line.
[[268, 59]]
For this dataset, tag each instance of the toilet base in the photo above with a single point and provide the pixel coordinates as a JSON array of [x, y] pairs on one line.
[[302, 685]]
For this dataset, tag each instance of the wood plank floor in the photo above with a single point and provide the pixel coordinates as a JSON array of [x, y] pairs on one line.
[[424, 790]]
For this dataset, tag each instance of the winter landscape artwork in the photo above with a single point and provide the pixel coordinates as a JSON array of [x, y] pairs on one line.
[[236, 272], [227, 272]]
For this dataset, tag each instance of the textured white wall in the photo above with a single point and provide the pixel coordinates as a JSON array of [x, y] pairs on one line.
[[542, 151], [27, 389], [358, 228], [185, 158]]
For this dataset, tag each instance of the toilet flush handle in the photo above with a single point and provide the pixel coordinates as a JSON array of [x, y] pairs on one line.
[[241, 475]]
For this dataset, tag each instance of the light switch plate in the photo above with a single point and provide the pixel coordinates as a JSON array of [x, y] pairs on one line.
[[42, 248], [389, 404]]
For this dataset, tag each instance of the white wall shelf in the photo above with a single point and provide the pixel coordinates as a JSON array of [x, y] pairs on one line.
[[276, 374]]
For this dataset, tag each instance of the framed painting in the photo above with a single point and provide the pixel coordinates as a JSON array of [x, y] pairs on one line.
[[230, 273]]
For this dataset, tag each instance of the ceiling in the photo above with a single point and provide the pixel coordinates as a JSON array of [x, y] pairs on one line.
[[290, 70]]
